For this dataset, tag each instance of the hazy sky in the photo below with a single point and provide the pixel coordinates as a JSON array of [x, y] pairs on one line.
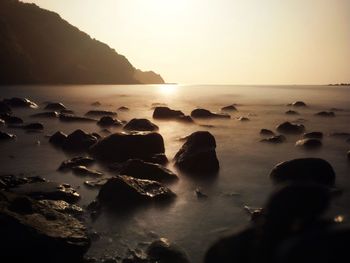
[[222, 41]]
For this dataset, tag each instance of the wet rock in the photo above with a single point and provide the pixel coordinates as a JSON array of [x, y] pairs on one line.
[[266, 132], [145, 170], [13, 120], [292, 112], [96, 104], [140, 125], [290, 128], [73, 118], [167, 113], [229, 108], [5, 109], [58, 138], [20, 103], [313, 135], [309, 143], [78, 141], [136, 191], [55, 106], [63, 207], [123, 108], [83, 171], [37, 126], [120, 147], [298, 104], [4, 136], [76, 161], [10, 181], [325, 114], [163, 251], [243, 119], [198, 155], [275, 139], [48, 190], [203, 113], [107, 121], [49, 114], [314, 170], [39, 233], [101, 113]]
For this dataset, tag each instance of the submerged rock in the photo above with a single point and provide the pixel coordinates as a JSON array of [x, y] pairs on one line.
[[275, 139], [107, 121], [49, 114], [229, 108], [55, 106], [20, 103], [163, 251], [267, 132], [140, 125], [120, 147], [76, 161], [309, 143], [4, 136], [314, 170], [78, 141], [58, 138], [292, 112], [101, 113], [83, 171], [313, 135], [290, 128], [73, 118], [198, 154], [203, 113], [325, 114]]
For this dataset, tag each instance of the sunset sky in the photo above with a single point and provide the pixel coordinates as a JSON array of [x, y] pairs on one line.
[[222, 41]]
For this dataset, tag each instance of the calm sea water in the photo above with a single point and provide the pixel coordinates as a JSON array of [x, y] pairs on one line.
[[245, 162]]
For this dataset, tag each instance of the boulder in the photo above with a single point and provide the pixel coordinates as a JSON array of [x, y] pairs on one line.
[[292, 112], [163, 251], [167, 113], [48, 114], [58, 138], [229, 108], [78, 141], [275, 139], [107, 121], [309, 143], [314, 170], [198, 155], [203, 114], [83, 171], [290, 128], [325, 114], [266, 132], [73, 118], [76, 161], [55, 106], [101, 113], [20, 103], [120, 147], [4, 136], [313, 135], [140, 125]]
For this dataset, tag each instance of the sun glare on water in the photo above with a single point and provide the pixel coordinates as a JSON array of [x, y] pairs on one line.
[[168, 90]]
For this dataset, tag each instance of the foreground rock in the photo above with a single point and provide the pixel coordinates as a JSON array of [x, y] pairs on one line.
[[55, 106], [290, 128], [76, 161], [101, 113], [120, 147], [203, 114], [4, 136], [144, 170], [309, 143], [78, 141], [127, 192], [198, 154], [275, 139], [20, 103], [140, 125], [108, 121], [312, 170], [313, 135], [37, 232]]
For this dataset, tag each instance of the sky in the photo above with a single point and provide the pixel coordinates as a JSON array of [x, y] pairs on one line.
[[222, 41]]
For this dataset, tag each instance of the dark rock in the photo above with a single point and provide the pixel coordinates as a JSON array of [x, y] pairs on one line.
[[13, 120], [313, 135], [107, 121], [63, 207], [309, 143], [120, 147], [243, 119], [325, 114], [73, 118], [123, 108], [198, 154], [229, 108], [58, 138], [4, 108], [76, 161], [10, 181], [304, 170], [140, 125], [163, 251], [20, 103], [266, 132], [167, 113], [49, 114], [55, 106], [144, 170], [78, 141], [290, 128], [275, 139], [136, 191], [34, 126], [38, 232], [96, 183], [298, 104], [83, 171], [292, 112], [101, 113], [203, 113], [4, 136]]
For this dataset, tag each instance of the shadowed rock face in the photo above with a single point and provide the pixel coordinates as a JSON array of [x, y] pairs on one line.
[[198, 154], [312, 170], [140, 125], [38, 232], [120, 147]]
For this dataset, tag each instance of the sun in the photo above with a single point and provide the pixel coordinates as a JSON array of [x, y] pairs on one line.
[[168, 89]]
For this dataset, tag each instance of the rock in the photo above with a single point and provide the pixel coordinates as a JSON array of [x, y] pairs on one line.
[[140, 125], [13, 120], [198, 155], [313, 135], [275, 139], [298, 104], [309, 143], [266, 132], [96, 104], [229, 108], [20, 103], [107, 121], [48, 190], [58, 138], [96, 183], [63, 207], [126, 191], [120, 147], [67, 112], [292, 112], [76, 161], [49, 114], [4, 136], [163, 251], [186, 119], [72, 118], [55, 106], [34, 126], [203, 113], [290, 128], [123, 108], [83, 171], [144, 170], [79, 141], [10, 181], [313, 170], [101, 113], [243, 119], [39, 233], [5, 109], [167, 113], [325, 114]]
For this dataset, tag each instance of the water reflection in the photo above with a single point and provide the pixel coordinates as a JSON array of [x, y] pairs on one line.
[[168, 89]]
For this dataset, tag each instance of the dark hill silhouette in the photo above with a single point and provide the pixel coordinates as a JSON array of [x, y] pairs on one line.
[[38, 46]]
